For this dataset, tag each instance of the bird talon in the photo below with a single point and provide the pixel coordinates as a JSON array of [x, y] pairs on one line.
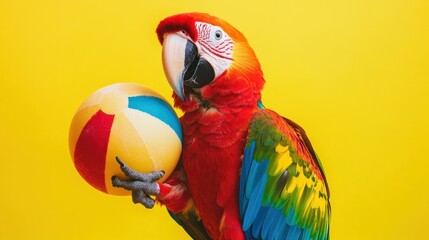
[[142, 185], [120, 162]]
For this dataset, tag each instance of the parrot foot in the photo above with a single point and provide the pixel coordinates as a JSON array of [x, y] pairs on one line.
[[142, 185]]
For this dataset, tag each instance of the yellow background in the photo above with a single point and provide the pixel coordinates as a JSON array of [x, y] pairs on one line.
[[354, 74]]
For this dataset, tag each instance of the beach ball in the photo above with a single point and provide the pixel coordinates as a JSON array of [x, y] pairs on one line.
[[129, 121]]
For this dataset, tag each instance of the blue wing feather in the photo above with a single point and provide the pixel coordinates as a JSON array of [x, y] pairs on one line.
[[273, 216], [256, 172], [245, 173], [254, 204], [257, 225], [293, 233]]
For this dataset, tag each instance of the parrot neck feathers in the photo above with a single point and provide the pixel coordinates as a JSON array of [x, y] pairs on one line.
[[231, 90]]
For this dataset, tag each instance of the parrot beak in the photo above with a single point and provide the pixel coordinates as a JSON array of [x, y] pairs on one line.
[[182, 64]]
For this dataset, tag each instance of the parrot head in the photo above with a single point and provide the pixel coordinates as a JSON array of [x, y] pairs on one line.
[[205, 57]]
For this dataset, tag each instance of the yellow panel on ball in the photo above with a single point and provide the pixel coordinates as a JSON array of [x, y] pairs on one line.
[[129, 121]]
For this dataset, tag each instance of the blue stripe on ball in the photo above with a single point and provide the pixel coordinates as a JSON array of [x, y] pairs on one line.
[[158, 108]]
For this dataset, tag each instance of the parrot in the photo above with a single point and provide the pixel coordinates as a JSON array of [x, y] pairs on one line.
[[245, 172]]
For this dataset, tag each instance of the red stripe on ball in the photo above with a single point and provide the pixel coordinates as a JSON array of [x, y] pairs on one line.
[[91, 149]]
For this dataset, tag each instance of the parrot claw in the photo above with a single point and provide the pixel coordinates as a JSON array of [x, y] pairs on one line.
[[144, 177], [142, 185], [142, 198]]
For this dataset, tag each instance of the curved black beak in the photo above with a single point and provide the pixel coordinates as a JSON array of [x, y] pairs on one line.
[[183, 66]]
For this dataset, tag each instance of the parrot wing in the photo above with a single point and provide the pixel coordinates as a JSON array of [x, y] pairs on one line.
[[283, 190]]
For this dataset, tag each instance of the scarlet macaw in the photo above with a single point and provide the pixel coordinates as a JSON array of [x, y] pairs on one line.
[[245, 172]]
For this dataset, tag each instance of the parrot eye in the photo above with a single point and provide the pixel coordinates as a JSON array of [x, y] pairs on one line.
[[218, 34]]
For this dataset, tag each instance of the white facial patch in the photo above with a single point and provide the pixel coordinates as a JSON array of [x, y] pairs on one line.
[[215, 46]]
